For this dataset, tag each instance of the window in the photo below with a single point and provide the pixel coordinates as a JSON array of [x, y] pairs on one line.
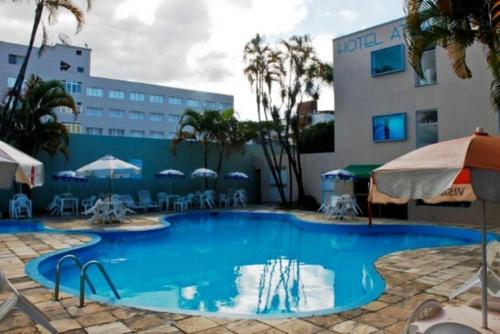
[[116, 132], [192, 103], [171, 135], [11, 82], [137, 115], [156, 117], [116, 113], [427, 127], [137, 133], [224, 106], [95, 92], [80, 69], [15, 59], [73, 127], [389, 127], [136, 97], [93, 131], [156, 98], [117, 94], [157, 134], [78, 52], [72, 86], [176, 101], [173, 119], [94, 112], [210, 105], [63, 66], [65, 110], [79, 107], [429, 72], [388, 60]]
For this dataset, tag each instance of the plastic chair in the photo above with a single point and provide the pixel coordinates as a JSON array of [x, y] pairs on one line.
[[21, 206], [224, 200], [22, 304], [162, 200], [88, 202]]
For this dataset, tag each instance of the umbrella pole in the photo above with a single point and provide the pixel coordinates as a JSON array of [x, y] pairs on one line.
[[484, 268]]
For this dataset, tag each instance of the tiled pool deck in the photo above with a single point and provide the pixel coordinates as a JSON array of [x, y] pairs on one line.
[[411, 277]]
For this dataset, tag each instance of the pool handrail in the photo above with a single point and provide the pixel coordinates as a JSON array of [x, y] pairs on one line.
[[83, 278], [58, 274]]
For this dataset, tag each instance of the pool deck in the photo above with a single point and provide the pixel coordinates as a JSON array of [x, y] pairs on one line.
[[411, 277]]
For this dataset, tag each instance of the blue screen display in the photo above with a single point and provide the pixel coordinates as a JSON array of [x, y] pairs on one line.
[[389, 127], [388, 60]]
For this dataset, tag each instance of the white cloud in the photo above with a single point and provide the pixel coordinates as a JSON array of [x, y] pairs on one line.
[[348, 14]]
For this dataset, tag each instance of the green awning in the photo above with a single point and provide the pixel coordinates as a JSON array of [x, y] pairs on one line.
[[361, 171]]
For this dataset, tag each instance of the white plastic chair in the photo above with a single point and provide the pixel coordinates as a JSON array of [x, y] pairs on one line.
[[493, 251], [22, 304], [334, 207], [162, 200], [224, 201], [130, 203], [146, 201], [55, 206], [21, 206], [87, 203]]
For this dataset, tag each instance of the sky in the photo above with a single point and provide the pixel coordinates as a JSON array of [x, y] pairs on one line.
[[198, 44]]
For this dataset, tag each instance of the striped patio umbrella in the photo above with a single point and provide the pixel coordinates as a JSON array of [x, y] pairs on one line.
[[338, 174], [170, 174], [204, 173], [464, 169], [236, 176], [69, 177]]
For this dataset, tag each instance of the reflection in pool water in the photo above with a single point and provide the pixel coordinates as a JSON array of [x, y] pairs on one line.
[[248, 264]]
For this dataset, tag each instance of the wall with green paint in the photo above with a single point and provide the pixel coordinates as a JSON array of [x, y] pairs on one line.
[[155, 156]]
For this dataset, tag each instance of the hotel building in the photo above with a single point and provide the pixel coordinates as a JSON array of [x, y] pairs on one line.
[[107, 106]]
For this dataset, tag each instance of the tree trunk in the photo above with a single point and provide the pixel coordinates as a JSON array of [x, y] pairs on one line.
[[205, 161], [219, 165], [16, 91]]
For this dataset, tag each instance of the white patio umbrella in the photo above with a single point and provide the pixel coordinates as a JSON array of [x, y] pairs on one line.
[[110, 168], [204, 173], [17, 165], [464, 169], [170, 174]]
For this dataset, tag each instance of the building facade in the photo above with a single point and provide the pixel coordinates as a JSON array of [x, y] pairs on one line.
[[107, 106], [384, 110]]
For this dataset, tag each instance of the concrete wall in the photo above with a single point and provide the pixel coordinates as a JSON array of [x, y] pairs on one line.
[[461, 106], [155, 155]]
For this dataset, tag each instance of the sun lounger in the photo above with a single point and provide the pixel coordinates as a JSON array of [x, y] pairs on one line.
[[493, 251], [146, 201], [130, 203], [17, 301]]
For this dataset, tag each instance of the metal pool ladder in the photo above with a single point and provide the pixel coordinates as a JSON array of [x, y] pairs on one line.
[[83, 277]]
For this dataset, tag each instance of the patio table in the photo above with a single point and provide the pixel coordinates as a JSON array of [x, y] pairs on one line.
[[74, 205], [171, 199]]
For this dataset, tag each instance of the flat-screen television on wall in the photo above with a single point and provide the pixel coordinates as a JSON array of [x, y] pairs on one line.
[[389, 127]]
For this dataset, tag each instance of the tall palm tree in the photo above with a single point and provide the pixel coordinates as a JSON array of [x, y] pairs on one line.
[[263, 69], [455, 25], [36, 127], [52, 8]]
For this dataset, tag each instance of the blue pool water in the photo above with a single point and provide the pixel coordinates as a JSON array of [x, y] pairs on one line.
[[13, 227], [246, 264]]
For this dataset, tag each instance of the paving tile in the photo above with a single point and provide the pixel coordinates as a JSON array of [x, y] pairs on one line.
[[247, 326], [92, 319], [216, 330], [353, 327], [114, 327], [195, 324], [145, 322], [64, 325], [325, 321], [298, 326], [165, 329]]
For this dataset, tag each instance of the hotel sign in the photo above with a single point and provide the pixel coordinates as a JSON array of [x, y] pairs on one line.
[[369, 40]]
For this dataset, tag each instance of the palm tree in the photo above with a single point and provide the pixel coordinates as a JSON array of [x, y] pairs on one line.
[[52, 7], [197, 126], [263, 69], [36, 127], [455, 25]]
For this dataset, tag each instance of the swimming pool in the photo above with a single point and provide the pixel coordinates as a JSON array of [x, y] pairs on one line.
[[246, 264], [15, 227]]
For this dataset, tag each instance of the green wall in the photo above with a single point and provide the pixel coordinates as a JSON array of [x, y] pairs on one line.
[[155, 155]]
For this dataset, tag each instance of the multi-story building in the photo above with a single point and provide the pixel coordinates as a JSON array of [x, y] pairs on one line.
[[107, 106], [384, 110]]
